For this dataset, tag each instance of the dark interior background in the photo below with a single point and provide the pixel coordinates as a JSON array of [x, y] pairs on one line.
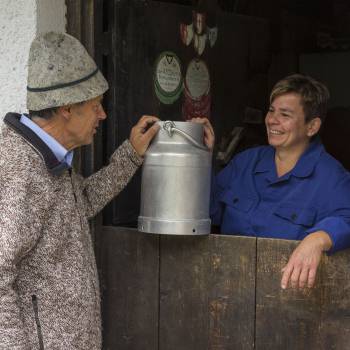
[[258, 43]]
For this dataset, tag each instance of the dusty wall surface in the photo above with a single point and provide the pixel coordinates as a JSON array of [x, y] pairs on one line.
[[51, 15], [20, 21]]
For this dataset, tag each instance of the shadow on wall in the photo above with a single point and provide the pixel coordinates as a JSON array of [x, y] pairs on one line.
[[335, 134]]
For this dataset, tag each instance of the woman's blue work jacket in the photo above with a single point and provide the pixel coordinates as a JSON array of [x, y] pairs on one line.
[[248, 198]]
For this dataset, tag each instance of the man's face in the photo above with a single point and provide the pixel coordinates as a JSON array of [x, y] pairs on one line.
[[285, 123], [84, 121]]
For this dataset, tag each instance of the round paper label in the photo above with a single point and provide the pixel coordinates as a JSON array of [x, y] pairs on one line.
[[197, 79], [168, 77]]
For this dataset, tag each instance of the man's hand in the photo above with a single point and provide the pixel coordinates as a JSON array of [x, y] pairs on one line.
[[302, 265], [143, 132], [209, 135]]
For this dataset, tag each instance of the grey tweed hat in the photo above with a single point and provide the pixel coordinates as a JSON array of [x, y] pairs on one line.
[[61, 72]]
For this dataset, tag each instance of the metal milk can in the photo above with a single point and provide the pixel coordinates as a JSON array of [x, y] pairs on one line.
[[176, 177]]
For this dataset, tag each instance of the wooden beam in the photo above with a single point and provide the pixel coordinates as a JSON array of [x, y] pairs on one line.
[[129, 274]]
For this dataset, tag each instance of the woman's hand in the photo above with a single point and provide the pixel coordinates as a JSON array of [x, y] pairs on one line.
[[143, 132], [209, 135], [302, 266]]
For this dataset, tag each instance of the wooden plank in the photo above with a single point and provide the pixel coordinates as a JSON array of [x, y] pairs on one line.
[[308, 319], [285, 319], [88, 22], [232, 292], [74, 28], [207, 292], [184, 309], [74, 19], [334, 331], [129, 280], [80, 24]]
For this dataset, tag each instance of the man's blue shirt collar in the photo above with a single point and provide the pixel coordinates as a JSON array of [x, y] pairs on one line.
[[304, 167], [62, 154]]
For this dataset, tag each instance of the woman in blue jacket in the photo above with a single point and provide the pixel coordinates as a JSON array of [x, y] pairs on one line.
[[290, 189]]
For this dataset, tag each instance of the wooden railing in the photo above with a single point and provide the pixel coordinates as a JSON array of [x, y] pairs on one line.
[[216, 292]]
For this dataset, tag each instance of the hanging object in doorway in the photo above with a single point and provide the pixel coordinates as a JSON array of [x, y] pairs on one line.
[[197, 97]]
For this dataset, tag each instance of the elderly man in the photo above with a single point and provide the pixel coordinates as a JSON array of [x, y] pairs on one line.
[[49, 294]]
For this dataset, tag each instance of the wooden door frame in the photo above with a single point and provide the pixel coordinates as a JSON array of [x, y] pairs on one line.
[[81, 25]]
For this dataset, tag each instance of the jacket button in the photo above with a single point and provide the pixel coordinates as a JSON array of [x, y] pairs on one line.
[[235, 200], [294, 216]]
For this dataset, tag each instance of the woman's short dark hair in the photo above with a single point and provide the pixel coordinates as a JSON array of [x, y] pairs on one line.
[[314, 95]]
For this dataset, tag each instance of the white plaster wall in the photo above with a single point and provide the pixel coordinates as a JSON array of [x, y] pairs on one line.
[[18, 27], [20, 20], [51, 15]]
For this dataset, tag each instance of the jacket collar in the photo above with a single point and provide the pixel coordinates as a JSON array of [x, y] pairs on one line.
[[53, 165], [304, 167]]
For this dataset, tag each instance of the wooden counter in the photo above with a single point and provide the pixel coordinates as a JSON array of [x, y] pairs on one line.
[[216, 292]]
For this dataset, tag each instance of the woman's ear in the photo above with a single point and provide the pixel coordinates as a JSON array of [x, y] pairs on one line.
[[314, 126]]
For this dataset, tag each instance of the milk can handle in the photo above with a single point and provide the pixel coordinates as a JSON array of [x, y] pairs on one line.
[[170, 127]]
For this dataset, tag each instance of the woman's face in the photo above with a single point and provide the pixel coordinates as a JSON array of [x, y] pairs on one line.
[[286, 126]]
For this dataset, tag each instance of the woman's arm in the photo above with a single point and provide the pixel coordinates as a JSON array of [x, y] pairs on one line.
[[301, 268], [330, 235]]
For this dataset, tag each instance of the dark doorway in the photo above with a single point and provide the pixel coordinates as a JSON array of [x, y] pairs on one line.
[[257, 44]]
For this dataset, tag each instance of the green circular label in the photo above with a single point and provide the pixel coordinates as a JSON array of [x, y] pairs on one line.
[[168, 77]]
